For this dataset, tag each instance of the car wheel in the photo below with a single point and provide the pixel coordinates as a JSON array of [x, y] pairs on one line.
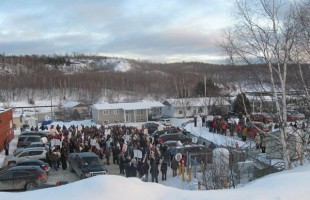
[[31, 186], [11, 163]]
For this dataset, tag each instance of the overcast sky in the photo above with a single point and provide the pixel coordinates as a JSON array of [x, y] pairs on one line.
[[155, 30]]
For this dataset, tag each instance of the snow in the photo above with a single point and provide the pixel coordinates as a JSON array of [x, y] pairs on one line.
[[276, 186], [286, 185]]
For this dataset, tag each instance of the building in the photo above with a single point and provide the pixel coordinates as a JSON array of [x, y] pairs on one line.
[[6, 126], [188, 107], [106, 113], [72, 110]]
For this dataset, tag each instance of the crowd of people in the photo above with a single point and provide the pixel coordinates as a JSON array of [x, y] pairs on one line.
[[128, 147]]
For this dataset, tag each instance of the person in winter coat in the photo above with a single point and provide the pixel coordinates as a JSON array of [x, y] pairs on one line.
[[146, 168], [244, 134], [6, 146], [63, 157], [127, 166], [257, 141], [174, 167], [107, 155], [154, 170], [263, 144], [121, 164], [163, 169], [133, 170]]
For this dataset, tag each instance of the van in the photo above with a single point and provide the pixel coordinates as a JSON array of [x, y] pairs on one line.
[[26, 140]]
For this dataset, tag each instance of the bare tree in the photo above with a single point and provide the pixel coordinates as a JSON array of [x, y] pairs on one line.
[[266, 32]]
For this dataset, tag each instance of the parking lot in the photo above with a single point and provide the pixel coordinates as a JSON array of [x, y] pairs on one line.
[[67, 176]]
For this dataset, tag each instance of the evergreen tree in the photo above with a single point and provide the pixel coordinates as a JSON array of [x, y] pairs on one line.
[[242, 105], [212, 89]]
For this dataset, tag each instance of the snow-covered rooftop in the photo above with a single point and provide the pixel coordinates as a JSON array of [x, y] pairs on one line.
[[71, 104], [128, 106], [197, 101]]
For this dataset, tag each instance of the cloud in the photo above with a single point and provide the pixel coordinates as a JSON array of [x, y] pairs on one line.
[[144, 29]]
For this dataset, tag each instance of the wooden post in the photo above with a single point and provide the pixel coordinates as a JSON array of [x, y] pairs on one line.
[[183, 171]]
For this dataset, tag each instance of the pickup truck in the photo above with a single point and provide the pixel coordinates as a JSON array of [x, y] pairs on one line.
[[86, 164]]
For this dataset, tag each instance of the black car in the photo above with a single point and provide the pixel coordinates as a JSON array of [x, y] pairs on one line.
[[22, 177], [151, 127], [26, 140], [175, 137], [43, 165]]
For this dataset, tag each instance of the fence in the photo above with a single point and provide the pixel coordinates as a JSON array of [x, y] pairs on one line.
[[228, 170]]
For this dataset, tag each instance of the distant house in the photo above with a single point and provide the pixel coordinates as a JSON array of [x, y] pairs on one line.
[[73, 110], [188, 107], [74, 105], [106, 113]]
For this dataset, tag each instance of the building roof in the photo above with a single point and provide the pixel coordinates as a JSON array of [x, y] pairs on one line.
[[128, 106], [72, 104], [196, 102]]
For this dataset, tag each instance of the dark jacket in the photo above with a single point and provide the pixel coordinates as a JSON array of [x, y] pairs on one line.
[[174, 164], [145, 167], [163, 167]]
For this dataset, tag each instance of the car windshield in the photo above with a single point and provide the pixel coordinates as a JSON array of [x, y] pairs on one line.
[[91, 161]]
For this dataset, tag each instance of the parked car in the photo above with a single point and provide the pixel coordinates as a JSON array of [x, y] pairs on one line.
[[294, 115], [26, 154], [22, 177], [43, 165], [175, 137], [38, 133], [261, 117], [151, 127], [26, 140], [32, 145], [86, 164], [165, 121], [256, 127], [24, 127]]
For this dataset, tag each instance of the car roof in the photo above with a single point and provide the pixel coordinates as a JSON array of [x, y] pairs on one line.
[[31, 161], [37, 143], [33, 149], [23, 167], [87, 154], [171, 134], [29, 136]]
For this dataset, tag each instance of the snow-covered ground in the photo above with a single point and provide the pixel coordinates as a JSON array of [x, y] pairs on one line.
[[288, 185]]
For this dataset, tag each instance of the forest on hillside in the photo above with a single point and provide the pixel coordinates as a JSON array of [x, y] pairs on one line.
[[30, 72]]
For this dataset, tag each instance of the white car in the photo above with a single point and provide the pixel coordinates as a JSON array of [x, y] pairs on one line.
[[29, 153], [32, 145], [165, 122]]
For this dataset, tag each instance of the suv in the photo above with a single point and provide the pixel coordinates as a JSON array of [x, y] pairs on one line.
[[38, 133], [26, 154], [22, 177], [86, 164], [175, 137], [26, 140]]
